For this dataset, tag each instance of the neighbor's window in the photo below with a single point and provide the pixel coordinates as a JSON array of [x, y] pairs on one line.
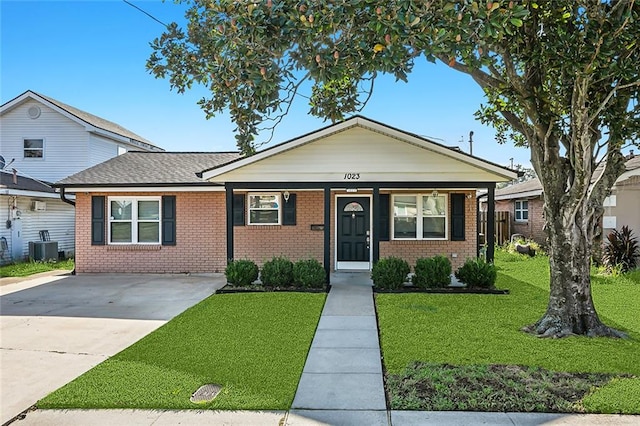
[[522, 210], [264, 209], [421, 217], [33, 148], [134, 220]]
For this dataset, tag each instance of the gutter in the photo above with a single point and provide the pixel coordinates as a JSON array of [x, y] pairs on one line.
[[65, 199]]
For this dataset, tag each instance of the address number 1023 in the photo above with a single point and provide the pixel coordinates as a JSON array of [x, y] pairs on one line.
[[351, 176]]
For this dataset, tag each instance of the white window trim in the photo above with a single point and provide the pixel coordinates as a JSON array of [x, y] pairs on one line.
[[249, 209], [516, 210], [419, 218], [134, 219], [44, 143]]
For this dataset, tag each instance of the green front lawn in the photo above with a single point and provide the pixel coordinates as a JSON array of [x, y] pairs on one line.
[[254, 345], [24, 269], [485, 330]]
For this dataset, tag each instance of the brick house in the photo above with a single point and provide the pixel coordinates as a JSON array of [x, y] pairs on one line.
[[346, 195], [525, 203]]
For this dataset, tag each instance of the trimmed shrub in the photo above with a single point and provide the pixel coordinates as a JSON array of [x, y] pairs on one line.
[[477, 273], [621, 252], [241, 272], [432, 272], [390, 273], [308, 274], [277, 272]]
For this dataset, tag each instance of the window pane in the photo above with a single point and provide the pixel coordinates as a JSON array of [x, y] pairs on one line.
[[518, 215], [148, 210], [121, 232], [263, 216], [525, 205], [34, 153], [121, 210], [433, 206], [525, 215], [148, 232], [33, 144], [263, 201], [433, 227], [353, 207], [404, 227], [405, 206]]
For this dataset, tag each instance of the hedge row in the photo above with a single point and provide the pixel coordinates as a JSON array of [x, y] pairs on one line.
[[278, 272]]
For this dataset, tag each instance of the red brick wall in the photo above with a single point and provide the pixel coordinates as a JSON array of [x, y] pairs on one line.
[[263, 242], [532, 228], [413, 250], [200, 239]]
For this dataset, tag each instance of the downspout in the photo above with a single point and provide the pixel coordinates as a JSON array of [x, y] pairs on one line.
[[65, 199]]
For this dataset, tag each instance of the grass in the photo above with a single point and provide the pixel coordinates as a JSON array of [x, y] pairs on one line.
[[485, 330], [254, 345], [24, 269]]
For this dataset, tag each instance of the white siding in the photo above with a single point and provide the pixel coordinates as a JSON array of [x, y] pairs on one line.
[[58, 219], [101, 149], [4, 232], [66, 142], [371, 156]]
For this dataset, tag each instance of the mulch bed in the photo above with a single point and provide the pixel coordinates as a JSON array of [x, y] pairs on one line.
[[228, 289]]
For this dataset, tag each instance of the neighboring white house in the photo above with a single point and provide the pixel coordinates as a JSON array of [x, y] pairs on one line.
[[45, 140]]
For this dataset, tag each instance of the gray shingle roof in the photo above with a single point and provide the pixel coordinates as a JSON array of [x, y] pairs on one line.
[[145, 168], [23, 184]]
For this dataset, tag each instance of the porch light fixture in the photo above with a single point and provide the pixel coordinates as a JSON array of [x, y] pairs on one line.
[[286, 196], [434, 193], [352, 189], [469, 196]]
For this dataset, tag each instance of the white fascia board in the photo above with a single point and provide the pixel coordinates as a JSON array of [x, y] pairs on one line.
[[518, 195], [432, 146], [23, 193], [145, 189]]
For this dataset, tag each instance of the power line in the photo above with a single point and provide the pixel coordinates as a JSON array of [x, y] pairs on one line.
[[146, 13]]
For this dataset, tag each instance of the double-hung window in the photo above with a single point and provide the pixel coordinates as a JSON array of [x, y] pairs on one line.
[[264, 209], [522, 210], [33, 148], [134, 220], [420, 217]]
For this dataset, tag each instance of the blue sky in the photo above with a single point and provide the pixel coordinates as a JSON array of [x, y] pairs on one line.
[[92, 54]]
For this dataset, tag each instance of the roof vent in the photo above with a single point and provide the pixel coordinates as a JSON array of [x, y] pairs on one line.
[[33, 112]]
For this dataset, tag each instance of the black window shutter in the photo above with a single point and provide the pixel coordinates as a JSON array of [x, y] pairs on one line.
[[289, 210], [97, 221], [238, 209], [457, 217], [168, 220], [385, 209]]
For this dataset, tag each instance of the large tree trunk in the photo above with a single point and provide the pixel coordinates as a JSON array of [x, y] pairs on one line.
[[570, 310]]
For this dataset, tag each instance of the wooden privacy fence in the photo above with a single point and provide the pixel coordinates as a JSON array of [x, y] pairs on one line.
[[502, 226]]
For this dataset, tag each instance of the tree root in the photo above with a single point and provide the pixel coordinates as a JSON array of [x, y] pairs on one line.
[[553, 326]]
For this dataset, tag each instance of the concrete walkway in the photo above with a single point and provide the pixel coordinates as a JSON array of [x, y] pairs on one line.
[[342, 379]]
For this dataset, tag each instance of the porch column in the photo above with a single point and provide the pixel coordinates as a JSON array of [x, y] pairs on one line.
[[327, 234], [491, 221], [229, 204], [376, 224]]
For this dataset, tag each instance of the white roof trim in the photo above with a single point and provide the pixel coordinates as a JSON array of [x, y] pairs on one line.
[[34, 194], [364, 123], [516, 195], [80, 189]]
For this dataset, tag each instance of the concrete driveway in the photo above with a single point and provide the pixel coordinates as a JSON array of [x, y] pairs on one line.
[[52, 329]]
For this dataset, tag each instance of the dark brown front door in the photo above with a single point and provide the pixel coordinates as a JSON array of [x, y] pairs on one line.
[[353, 229]]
